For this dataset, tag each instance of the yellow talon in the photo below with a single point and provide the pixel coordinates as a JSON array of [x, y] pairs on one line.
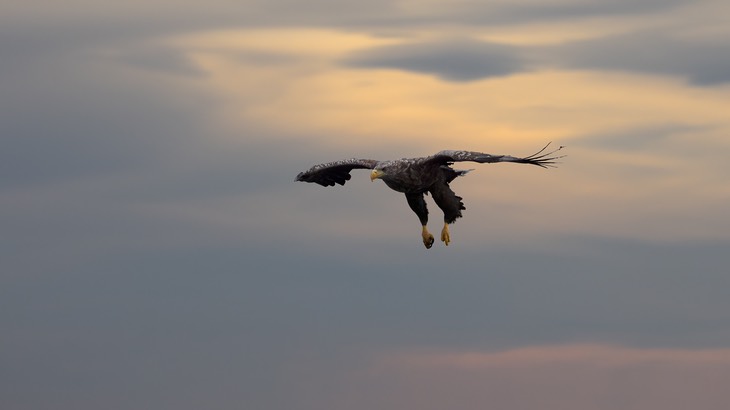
[[427, 237], [445, 237]]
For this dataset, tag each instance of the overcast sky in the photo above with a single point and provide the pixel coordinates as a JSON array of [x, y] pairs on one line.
[[156, 252]]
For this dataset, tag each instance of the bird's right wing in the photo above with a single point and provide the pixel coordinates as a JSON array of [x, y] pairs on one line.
[[540, 158], [335, 172]]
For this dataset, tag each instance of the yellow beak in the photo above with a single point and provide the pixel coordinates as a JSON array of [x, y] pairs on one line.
[[376, 174]]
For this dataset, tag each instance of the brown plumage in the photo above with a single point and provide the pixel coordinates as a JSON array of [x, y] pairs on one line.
[[418, 176]]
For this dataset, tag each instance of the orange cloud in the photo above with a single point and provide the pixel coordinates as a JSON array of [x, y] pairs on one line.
[[613, 183], [586, 354], [313, 92], [568, 377]]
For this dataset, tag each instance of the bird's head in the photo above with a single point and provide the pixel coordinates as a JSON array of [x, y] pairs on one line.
[[381, 170]]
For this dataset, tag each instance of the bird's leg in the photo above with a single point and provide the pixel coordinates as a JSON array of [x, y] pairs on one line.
[[445, 237], [427, 237]]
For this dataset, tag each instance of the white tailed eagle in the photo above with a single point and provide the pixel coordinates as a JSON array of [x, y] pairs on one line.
[[418, 176]]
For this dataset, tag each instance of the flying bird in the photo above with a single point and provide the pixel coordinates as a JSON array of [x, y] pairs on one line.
[[418, 176]]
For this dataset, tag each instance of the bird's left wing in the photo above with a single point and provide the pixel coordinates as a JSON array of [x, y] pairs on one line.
[[540, 158], [335, 172]]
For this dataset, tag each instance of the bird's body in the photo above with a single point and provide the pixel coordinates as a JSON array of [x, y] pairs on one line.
[[410, 175], [418, 176]]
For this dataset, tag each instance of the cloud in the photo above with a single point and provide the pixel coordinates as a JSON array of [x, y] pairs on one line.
[[704, 62], [452, 60], [67, 120], [565, 377], [600, 356], [163, 59], [565, 10]]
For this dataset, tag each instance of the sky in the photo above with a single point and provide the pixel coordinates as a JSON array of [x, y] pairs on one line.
[[156, 252]]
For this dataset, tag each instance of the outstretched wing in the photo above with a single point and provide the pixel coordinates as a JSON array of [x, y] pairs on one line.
[[540, 158], [335, 172]]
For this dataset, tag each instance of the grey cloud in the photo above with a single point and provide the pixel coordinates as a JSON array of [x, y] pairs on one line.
[[62, 124], [265, 58], [649, 138], [517, 13], [189, 15], [164, 59], [69, 111], [453, 60], [703, 62], [224, 323], [390, 14]]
